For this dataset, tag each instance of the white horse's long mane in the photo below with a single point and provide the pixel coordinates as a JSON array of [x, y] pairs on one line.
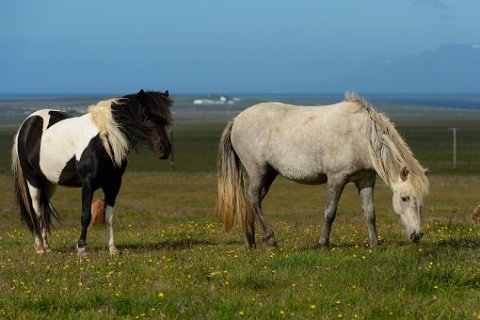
[[114, 141], [388, 151]]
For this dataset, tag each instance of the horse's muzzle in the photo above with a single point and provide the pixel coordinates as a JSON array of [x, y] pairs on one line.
[[416, 236], [164, 151]]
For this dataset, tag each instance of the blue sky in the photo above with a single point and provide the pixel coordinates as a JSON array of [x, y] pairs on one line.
[[191, 46]]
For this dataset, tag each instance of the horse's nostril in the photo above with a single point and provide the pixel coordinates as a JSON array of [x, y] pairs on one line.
[[164, 151], [415, 237]]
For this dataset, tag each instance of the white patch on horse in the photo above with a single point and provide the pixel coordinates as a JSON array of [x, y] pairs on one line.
[[109, 213], [63, 141]]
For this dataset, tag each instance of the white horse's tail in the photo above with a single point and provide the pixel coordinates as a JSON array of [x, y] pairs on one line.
[[24, 200], [232, 196]]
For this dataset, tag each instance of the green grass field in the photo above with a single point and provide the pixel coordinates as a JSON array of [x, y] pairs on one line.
[[176, 263]]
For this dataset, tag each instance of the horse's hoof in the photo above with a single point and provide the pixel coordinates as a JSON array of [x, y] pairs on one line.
[[251, 246], [373, 245], [38, 247], [81, 252], [323, 246], [271, 248], [270, 242], [114, 251]]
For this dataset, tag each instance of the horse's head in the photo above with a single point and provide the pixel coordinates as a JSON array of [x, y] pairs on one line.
[[157, 119], [145, 118], [407, 203], [158, 140]]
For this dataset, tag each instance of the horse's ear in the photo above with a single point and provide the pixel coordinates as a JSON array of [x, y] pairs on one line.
[[166, 93], [141, 95], [404, 173]]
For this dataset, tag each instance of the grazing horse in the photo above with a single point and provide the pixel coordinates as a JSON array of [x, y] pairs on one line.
[[335, 144], [53, 148]]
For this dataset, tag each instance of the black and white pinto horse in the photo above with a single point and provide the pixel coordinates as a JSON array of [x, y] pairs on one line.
[[53, 148]]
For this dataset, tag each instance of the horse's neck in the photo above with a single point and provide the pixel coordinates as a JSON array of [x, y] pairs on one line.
[[114, 141]]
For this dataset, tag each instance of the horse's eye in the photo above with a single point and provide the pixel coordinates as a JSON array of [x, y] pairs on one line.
[[405, 199]]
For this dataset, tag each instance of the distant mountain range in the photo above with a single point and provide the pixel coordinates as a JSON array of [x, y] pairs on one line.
[[453, 68]]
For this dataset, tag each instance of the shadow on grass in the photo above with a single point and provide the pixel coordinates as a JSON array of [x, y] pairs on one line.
[[342, 245], [172, 244], [151, 246], [167, 245]]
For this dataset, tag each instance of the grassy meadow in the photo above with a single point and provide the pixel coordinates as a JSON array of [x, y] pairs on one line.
[[177, 263]]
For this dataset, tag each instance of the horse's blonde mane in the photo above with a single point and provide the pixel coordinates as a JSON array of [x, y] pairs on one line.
[[113, 139], [388, 151]]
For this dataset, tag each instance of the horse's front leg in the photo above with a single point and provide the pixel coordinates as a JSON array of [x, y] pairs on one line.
[[87, 195], [111, 192], [333, 192]]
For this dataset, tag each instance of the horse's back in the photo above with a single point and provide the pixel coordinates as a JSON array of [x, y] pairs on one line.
[[289, 115], [44, 119], [302, 143]]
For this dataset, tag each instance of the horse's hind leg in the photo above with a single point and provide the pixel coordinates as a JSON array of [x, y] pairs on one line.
[[49, 190], [365, 189], [41, 244], [111, 192], [334, 190], [259, 185]]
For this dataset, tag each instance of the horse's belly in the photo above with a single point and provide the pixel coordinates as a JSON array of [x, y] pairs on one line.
[[309, 168], [301, 172], [308, 179]]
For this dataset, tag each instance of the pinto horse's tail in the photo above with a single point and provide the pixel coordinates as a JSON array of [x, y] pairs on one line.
[[24, 201], [232, 196]]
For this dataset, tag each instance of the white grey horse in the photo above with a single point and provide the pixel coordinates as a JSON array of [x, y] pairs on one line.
[[334, 144]]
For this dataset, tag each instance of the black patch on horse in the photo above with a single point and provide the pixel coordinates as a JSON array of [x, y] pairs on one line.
[[56, 116], [29, 138], [69, 176]]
